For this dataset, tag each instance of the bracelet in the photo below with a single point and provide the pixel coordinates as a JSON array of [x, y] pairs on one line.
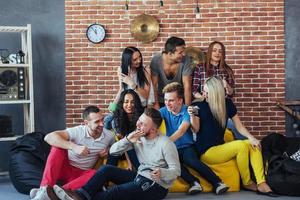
[[128, 139]]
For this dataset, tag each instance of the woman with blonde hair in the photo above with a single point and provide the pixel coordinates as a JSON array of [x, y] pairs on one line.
[[210, 123]]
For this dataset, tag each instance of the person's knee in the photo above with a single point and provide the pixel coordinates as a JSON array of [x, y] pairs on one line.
[[241, 146]]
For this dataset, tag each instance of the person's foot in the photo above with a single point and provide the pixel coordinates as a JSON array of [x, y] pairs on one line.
[[195, 188], [65, 194], [264, 187], [45, 193], [33, 192], [251, 187], [221, 188]]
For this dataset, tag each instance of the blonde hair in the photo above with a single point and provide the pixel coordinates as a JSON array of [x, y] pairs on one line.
[[216, 99], [174, 87]]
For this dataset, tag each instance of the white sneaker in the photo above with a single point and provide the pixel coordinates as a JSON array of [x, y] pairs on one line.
[[65, 194], [221, 189], [33, 192], [41, 194], [195, 188]]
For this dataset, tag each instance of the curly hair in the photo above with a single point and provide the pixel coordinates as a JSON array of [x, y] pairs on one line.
[[123, 124]]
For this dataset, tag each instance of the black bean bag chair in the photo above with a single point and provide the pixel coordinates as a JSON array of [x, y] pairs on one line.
[[28, 157]]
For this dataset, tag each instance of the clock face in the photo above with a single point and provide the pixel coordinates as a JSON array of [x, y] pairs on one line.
[[95, 33]]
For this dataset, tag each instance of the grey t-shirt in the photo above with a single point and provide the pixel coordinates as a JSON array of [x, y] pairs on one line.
[[157, 69], [79, 135], [159, 153]]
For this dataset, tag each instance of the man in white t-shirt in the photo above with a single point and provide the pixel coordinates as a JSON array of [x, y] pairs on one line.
[[74, 153]]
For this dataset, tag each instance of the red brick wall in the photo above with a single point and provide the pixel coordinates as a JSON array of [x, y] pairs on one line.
[[252, 31]]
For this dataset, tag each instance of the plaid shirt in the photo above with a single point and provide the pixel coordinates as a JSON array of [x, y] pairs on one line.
[[200, 75]]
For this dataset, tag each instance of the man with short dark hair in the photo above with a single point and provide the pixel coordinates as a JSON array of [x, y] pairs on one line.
[[158, 169], [171, 66], [177, 121], [74, 153]]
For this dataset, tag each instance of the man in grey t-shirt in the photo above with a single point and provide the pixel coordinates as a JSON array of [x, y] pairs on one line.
[[74, 153], [171, 66], [159, 166]]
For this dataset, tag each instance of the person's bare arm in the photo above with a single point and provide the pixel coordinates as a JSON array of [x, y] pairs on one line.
[[155, 87], [187, 86], [60, 139]]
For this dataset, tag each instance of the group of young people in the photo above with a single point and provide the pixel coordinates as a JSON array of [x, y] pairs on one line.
[[196, 107]]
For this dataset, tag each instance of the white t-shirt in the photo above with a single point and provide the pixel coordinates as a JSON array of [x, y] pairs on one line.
[[79, 135]]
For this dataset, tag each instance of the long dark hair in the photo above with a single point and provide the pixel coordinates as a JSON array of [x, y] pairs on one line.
[[222, 64], [126, 62], [123, 125]]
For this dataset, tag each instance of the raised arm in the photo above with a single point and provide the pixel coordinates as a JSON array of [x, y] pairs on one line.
[[195, 121]]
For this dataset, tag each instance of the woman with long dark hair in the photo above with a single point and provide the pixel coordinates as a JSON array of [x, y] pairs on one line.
[[123, 121], [133, 75]]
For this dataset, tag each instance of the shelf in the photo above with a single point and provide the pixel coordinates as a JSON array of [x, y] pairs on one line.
[[2, 139], [13, 65], [13, 29], [15, 102]]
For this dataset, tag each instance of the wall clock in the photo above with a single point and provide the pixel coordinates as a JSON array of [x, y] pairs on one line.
[[95, 33]]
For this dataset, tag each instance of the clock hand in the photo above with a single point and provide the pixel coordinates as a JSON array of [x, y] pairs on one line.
[[95, 30]]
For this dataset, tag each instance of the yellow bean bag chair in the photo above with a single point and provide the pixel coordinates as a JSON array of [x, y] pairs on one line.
[[227, 171]]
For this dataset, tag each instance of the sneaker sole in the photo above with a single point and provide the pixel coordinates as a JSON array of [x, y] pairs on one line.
[[61, 194], [193, 192], [223, 190]]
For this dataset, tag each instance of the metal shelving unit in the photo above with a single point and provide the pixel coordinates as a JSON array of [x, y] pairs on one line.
[[28, 100]]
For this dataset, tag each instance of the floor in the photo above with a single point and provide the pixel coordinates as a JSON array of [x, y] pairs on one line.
[[8, 192]]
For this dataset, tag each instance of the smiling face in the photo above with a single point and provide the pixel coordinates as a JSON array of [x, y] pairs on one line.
[[178, 55], [173, 102], [136, 60], [94, 122], [216, 54], [128, 104]]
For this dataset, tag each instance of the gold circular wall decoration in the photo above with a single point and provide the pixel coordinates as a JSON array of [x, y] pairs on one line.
[[144, 28]]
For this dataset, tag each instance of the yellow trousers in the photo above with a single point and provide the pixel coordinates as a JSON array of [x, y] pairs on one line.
[[241, 150]]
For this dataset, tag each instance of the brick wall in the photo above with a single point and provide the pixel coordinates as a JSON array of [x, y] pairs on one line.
[[252, 31]]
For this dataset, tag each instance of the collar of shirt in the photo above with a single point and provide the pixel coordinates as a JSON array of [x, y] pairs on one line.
[[87, 135]]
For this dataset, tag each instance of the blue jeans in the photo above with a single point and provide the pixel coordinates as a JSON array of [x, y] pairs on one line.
[[189, 157], [125, 189]]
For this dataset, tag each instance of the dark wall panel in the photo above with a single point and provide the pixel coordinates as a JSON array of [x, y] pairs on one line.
[[48, 26], [292, 62], [48, 29]]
